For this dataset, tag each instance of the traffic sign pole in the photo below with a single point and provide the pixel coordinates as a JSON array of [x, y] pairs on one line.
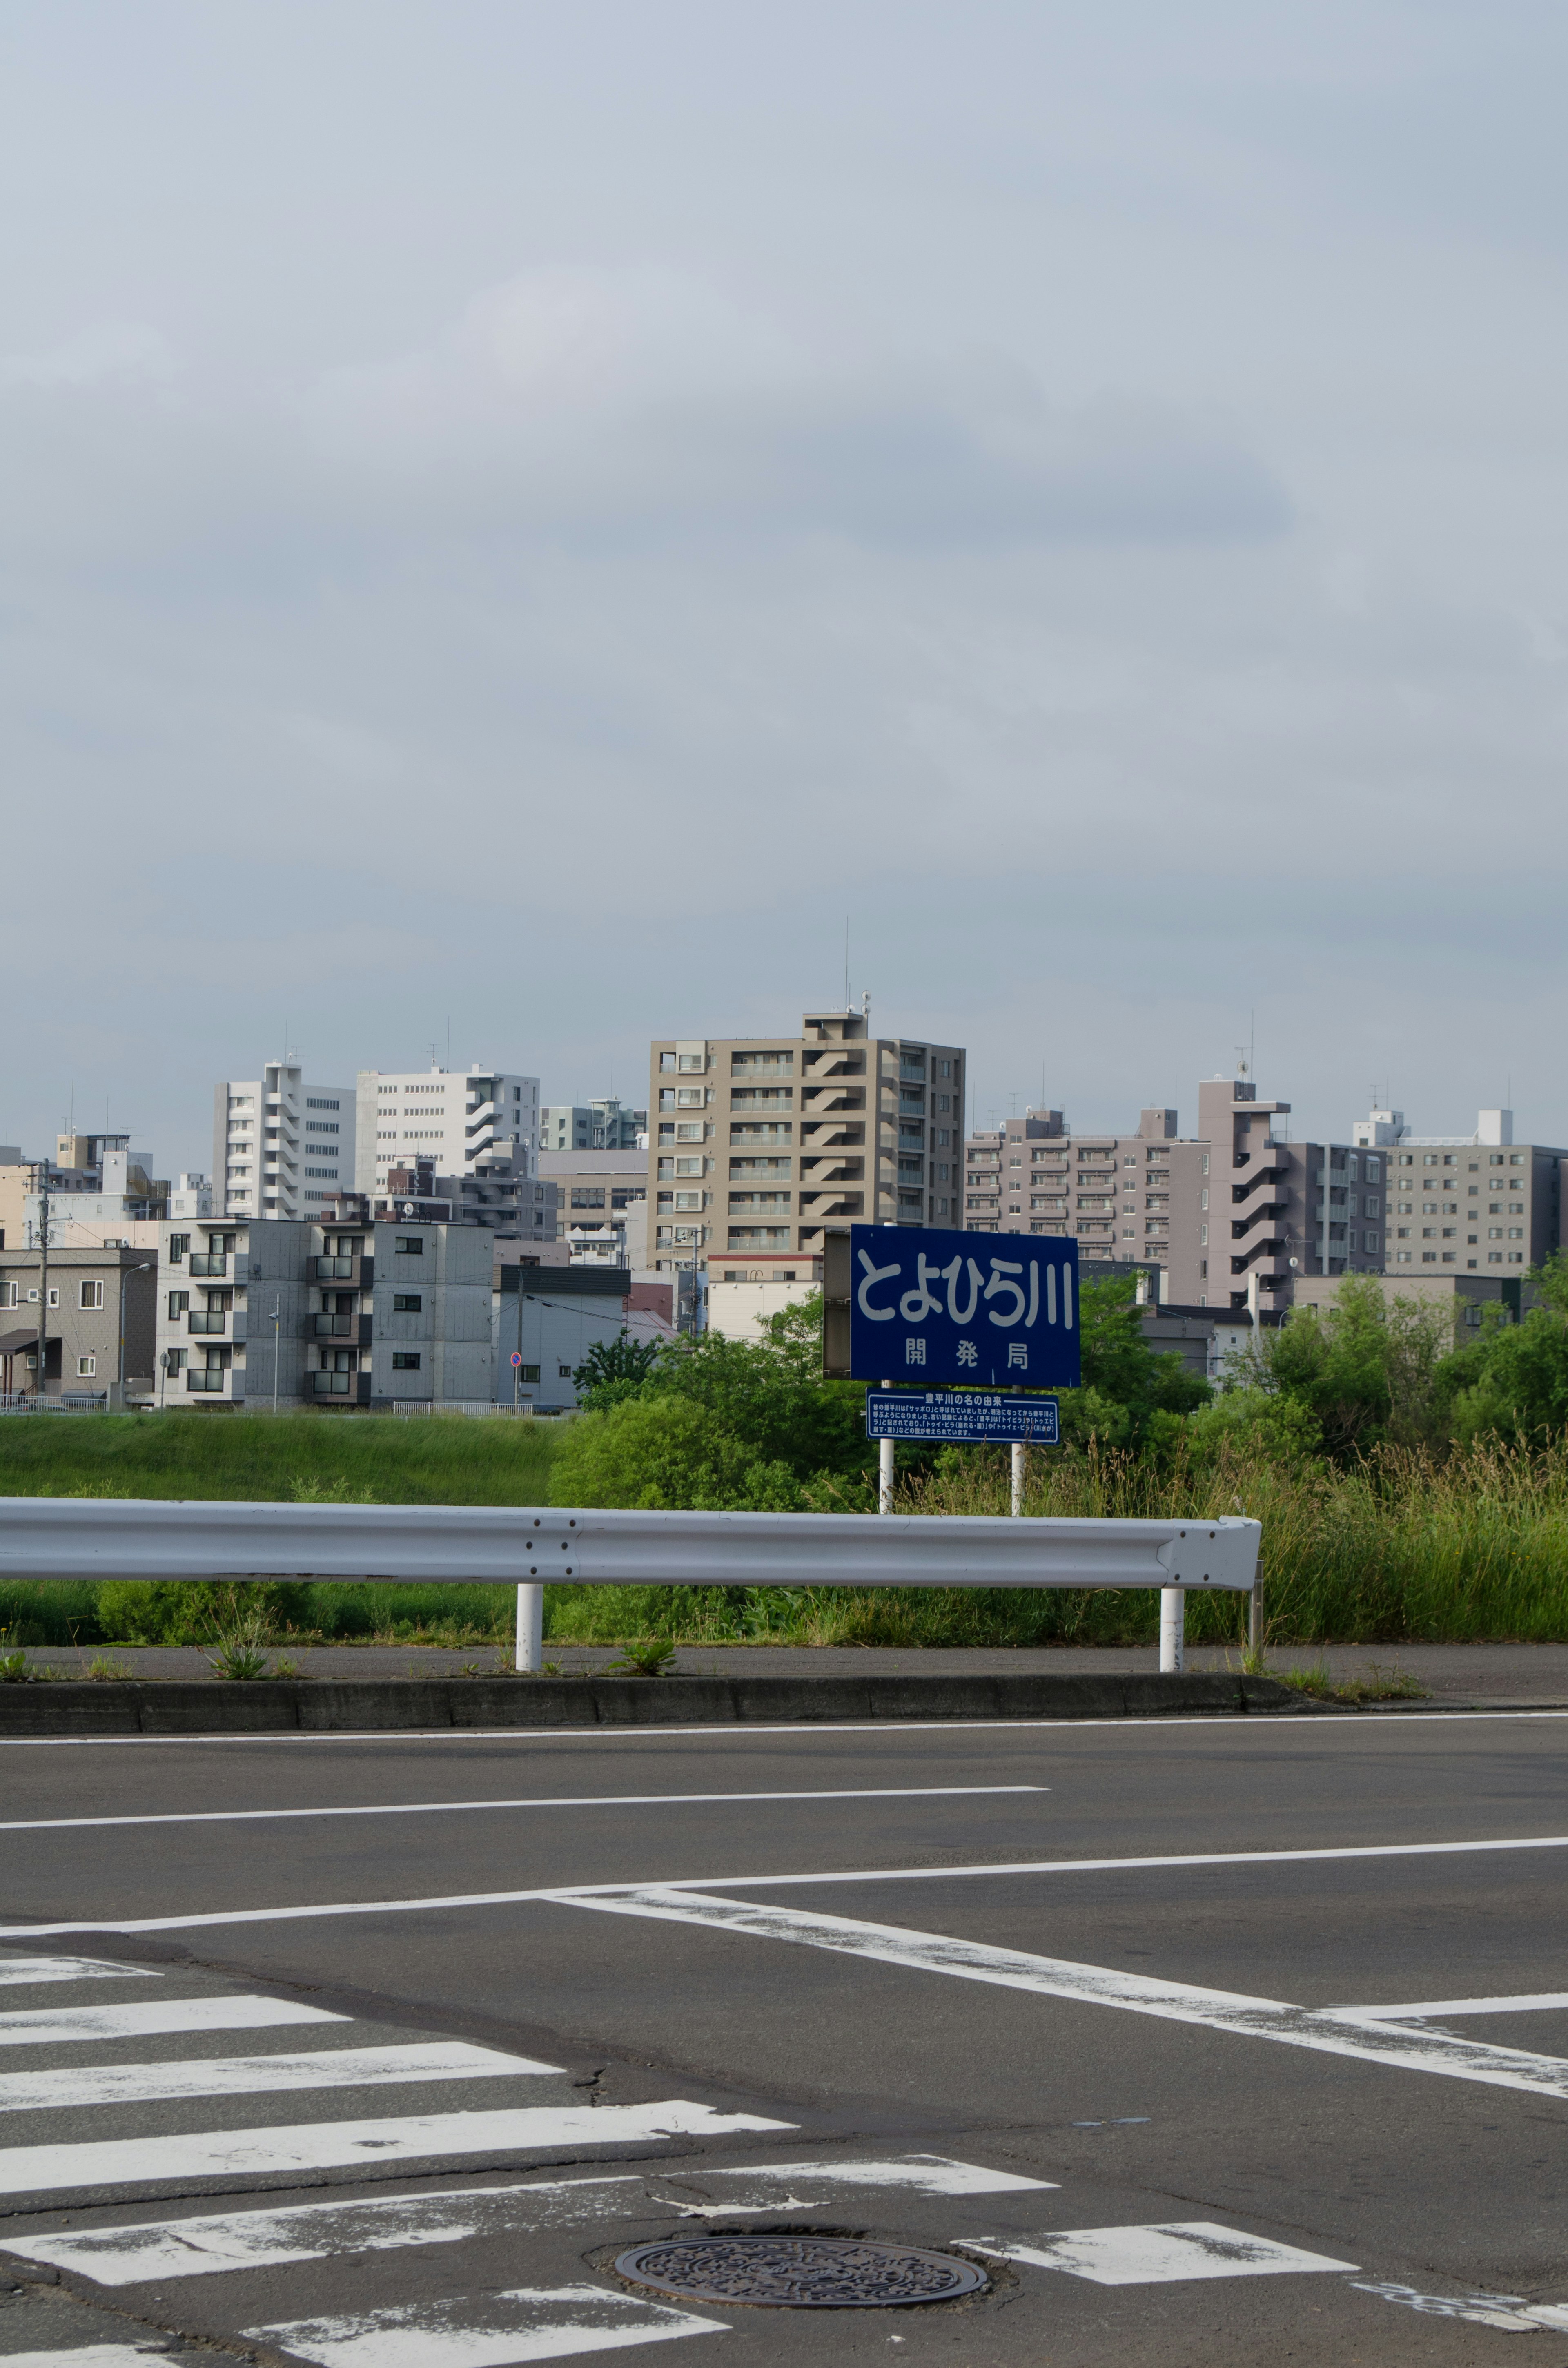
[[884, 1470]]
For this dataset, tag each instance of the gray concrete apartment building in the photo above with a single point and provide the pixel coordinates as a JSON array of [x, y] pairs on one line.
[[759, 1144], [329, 1314], [88, 1288], [601, 1202], [606, 1125], [1480, 1204]]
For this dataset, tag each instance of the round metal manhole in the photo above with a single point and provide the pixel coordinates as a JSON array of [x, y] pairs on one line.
[[799, 2272]]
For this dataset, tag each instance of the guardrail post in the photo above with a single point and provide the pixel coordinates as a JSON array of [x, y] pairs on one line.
[[1173, 1626], [1254, 1616], [530, 1628], [1017, 1505]]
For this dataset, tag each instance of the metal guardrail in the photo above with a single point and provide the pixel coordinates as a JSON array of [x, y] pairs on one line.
[[53, 1537]]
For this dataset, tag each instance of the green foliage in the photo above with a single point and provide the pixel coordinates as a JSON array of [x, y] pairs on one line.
[[187, 1612], [614, 1371], [1369, 1373], [1512, 1384], [644, 1657], [668, 1450]]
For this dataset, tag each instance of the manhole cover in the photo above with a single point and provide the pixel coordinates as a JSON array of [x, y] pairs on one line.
[[799, 2272]]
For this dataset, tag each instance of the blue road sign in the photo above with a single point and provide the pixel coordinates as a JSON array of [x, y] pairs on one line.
[[944, 1308], [949, 1418]]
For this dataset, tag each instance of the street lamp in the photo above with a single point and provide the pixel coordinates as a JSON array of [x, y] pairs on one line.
[[145, 1267]]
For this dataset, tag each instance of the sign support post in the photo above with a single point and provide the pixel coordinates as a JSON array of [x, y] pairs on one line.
[[1173, 1624], [884, 1470]]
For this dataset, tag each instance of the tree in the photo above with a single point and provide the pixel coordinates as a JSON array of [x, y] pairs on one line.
[[614, 1369], [1368, 1370], [1513, 1381]]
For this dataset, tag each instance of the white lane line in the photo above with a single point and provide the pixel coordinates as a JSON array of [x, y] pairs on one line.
[[87, 2355], [778, 1882], [312, 2232], [242, 2076], [71, 1969], [1398, 2047], [1214, 1723], [67, 2025], [1530, 2002], [318, 2145], [575, 1801], [1157, 2255], [1509, 2311], [485, 2330]]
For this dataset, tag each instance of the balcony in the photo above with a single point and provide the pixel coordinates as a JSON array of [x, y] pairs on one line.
[[209, 1378], [210, 1320], [334, 1385], [207, 1262], [355, 1331], [335, 1269]]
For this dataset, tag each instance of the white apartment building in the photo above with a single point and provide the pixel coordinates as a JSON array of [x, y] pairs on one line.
[[481, 1123], [280, 1148]]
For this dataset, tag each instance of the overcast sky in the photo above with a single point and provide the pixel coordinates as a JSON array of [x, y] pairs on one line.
[[528, 519]]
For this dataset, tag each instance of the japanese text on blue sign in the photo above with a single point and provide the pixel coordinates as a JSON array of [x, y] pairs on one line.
[[958, 1415], [931, 1306]]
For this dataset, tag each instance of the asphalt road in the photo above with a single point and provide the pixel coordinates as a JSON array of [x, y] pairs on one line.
[[1097, 2006]]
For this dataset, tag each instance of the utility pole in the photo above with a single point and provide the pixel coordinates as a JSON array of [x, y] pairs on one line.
[[275, 1307], [41, 1170]]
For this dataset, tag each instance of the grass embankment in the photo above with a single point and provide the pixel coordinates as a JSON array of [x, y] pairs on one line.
[[451, 1460], [1401, 1548]]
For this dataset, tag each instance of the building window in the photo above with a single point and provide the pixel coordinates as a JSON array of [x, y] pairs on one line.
[[90, 1295], [406, 1360], [1372, 1241], [53, 1295], [1402, 1258], [407, 1302], [85, 1368], [178, 1245], [408, 1244], [564, 1372], [178, 1302]]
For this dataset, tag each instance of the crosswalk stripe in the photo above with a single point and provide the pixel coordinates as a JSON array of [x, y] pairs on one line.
[[60, 2026], [71, 1969], [316, 2145], [485, 2330], [87, 2355], [235, 2075], [199, 2247], [1160, 2254]]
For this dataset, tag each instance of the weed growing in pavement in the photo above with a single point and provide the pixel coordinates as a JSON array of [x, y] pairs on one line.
[[1377, 1685], [100, 1668], [648, 1657], [13, 1669]]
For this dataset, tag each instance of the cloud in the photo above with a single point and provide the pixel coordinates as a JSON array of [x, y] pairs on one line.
[[624, 406]]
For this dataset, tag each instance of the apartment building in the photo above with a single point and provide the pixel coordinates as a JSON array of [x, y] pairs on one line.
[[297, 1312], [101, 1195], [759, 1144], [1110, 1192], [1477, 1202], [280, 1146], [606, 1125], [601, 1203], [518, 1211], [478, 1126], [99, 1323], [1232, 1215]]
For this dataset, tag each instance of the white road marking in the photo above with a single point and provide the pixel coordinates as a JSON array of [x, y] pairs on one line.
[[65, 2025], [309, 2232], [239, 2076], [567, 1801], [85, 2355], [485, 2330], [585, 1891], [1157, 2255], [1509, 2311], [1214, 1723], [316, 2145], [1391, 2044], [71, 1969], [1530, 2002]]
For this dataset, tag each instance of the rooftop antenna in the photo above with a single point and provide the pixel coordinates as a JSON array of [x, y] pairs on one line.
[[434, 1048], [448, 1039], [846, 962]]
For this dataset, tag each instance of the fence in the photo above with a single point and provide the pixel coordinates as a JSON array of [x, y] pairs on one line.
[[99, 1538]]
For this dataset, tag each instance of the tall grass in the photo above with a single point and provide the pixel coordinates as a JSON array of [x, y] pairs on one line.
[[1399, 1549]]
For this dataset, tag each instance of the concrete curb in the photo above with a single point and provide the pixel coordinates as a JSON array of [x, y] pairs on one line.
[[314, 1706]]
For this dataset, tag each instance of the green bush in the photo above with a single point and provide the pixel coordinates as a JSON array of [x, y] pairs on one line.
[[192, 1611], [668, 1451]]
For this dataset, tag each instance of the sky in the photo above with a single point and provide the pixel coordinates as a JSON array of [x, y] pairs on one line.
[[533, 522]]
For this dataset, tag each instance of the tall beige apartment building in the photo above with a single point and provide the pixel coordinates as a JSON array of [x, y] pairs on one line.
[[757, 1145]]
